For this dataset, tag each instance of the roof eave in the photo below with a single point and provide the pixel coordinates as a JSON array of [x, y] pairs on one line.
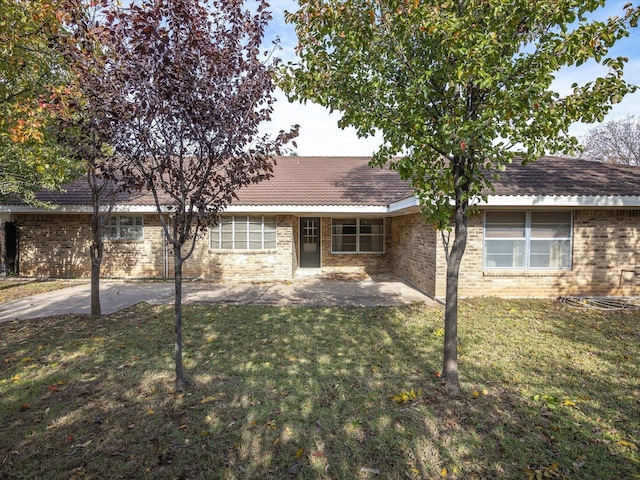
[[76, 209], [309, 209], [590, 201], [404, 206]]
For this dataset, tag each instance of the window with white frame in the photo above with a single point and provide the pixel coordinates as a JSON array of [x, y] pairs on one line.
[[357, 235], [124, 227], [244, 232], [527, 240]]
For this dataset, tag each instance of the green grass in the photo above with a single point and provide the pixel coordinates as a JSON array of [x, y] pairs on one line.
[[16, 288], [312, 393]]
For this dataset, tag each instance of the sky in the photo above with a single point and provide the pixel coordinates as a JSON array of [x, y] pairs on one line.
[[320, 135]]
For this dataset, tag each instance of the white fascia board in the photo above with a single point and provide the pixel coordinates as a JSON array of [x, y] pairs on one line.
[[308, 209], [600, 201], [406, 205], [409, 202], [274, 209], [77, 209]]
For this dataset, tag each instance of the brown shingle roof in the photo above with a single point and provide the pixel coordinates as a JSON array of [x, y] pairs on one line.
[[78, 193], [568, 176], [350, 181], [326, 181]]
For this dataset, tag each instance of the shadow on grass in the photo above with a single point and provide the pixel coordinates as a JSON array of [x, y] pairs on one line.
[[9, 282], [307, 393]]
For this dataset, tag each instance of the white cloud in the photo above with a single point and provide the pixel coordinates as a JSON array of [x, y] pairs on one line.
[[319, 132]]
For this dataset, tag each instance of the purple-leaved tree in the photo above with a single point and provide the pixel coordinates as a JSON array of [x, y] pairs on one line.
[[185, 89], [83, 132]]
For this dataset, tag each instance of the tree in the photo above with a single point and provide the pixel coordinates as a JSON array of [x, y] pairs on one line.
[[84, 132], [458, 89], [34, 96], [617, 141], [185, 89]]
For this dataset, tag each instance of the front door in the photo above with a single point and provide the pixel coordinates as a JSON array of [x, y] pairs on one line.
[[310, 242], [11, 247]]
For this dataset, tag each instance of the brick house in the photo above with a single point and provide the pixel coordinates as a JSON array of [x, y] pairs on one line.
[[557, 226]]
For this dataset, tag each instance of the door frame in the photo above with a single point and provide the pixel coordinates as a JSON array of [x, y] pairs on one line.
[[301, 227], [11, 252]]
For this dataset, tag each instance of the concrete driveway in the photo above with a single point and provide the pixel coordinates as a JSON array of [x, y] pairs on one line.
[[312, 291]]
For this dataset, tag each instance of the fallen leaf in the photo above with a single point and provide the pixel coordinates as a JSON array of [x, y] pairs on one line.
[[624, 443], [318, 454], [299, 453], [25, 406], [443, 472]]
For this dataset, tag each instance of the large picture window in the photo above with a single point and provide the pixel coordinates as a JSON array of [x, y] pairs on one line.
[[527, 240], [124, 227], [244, 232], [357, 235]]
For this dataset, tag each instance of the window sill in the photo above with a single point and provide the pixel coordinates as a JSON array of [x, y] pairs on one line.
[[245, 252], [528, 273], [123, 240], [357, 253]]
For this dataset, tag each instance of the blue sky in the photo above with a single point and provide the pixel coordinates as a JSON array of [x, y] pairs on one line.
[[320, 135]]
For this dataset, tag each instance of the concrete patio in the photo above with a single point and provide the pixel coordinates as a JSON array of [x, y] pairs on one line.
[[305, 291]]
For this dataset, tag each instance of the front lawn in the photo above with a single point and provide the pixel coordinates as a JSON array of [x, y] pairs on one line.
[[335, 393], [16, 288]]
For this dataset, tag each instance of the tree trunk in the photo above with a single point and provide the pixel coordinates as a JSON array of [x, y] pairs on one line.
[[454, 258], [177, 258], [450, 363], [95, 252]]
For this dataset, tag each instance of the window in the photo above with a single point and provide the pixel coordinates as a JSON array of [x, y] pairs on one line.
[[124, 227], [357, 235], [527, 240], [244, 232]]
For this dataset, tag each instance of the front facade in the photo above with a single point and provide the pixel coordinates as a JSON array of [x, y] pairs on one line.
[[563, 227]]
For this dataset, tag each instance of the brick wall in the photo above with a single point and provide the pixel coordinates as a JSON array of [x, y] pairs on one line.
[[412, 254], [55, 245], [286, 256], [52, 245], [136, 258], [244, 265], [604, 242]]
